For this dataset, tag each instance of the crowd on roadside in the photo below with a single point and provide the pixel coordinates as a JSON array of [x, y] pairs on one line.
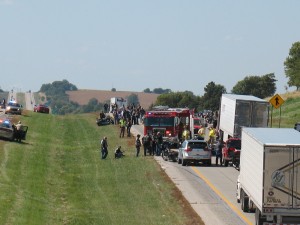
[[133, 113]]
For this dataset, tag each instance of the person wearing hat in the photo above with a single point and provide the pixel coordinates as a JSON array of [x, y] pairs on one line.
[[138, 144]]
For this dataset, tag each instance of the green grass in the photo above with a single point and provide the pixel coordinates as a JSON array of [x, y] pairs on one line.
[[57, 177], [288, 114]]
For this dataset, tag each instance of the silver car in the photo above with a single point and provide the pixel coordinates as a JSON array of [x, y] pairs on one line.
[[194, 151]]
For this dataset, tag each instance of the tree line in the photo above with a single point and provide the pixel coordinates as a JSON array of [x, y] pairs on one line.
[[259, 86]]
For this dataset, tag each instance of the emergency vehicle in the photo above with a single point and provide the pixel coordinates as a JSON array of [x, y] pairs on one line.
[[170, 122]]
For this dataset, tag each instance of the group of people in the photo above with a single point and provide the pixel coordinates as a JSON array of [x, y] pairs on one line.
[[118, 152], [213, 135], [132, 113], [104, 149], [153, 144]]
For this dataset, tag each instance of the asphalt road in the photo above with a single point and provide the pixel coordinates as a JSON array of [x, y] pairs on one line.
[[211, 190]]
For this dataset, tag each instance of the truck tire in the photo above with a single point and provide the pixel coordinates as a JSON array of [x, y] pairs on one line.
[[259, 220], [244, 202]]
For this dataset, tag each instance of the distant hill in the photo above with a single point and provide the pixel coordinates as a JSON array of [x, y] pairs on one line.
[[82, 97]]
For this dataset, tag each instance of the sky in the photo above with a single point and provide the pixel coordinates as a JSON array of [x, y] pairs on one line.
[[131, 45]]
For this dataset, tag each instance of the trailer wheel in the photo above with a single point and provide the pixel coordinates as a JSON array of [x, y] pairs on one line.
[[259, 220], [244, 201]]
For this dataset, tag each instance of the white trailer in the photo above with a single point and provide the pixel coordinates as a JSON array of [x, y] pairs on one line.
[[269, 179], [119, 102], [237, 111]]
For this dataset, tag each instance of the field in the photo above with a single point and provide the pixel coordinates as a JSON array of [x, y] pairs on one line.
[[82, 97], [289, 112], [56, 176]]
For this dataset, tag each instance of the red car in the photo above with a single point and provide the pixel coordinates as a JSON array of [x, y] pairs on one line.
[[231, 152], [41, 109]]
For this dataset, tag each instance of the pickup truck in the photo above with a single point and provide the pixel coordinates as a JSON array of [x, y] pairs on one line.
[[13, 108], [231, 152]]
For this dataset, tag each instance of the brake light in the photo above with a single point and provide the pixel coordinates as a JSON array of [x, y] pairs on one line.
[[231, 149], [168, 133], [188, 150]]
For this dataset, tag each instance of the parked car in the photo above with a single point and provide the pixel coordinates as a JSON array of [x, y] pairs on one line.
[[8, 130], [194, 151], [41, 108], [13, 108], [231, 152]]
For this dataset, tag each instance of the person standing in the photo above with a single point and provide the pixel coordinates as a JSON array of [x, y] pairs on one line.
[[218, 149], [186, 135], [159, 143], [146, 141], [201, 133], [122, 126], [19, 131], [104, 148], [128, 126], [138, 145]]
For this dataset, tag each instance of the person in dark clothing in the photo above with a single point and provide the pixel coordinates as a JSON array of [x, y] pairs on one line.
[[118, 153], [128, 126], [138, 145], [106, 108], [159, 143], [218, 149], [104, 148], [146, 141]]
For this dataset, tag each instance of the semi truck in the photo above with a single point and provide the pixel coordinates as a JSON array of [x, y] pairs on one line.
[[237, 111], [269, 179]]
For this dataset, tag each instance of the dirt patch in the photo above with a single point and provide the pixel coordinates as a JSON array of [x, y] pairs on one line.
[[82, 97]]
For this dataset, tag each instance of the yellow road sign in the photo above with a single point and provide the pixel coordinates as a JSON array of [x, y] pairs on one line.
[[276, 101]]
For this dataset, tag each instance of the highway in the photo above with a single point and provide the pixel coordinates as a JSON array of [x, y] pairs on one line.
[[211, 191]]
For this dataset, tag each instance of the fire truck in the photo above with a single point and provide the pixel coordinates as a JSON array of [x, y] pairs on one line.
[[170, 122]]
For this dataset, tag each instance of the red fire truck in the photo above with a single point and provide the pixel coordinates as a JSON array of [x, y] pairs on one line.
[[169, 122]]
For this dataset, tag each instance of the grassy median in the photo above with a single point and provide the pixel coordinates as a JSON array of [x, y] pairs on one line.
[[56, 176]]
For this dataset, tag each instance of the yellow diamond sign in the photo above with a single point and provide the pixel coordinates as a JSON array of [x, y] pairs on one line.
[[276, 101]]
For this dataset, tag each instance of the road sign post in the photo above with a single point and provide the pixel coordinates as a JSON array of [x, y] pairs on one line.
[[276, 102]]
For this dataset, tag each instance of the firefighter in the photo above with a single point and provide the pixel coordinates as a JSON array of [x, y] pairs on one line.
[[186, 134], [201, 133]]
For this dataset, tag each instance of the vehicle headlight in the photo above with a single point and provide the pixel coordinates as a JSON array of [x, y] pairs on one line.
[[8, 107]]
